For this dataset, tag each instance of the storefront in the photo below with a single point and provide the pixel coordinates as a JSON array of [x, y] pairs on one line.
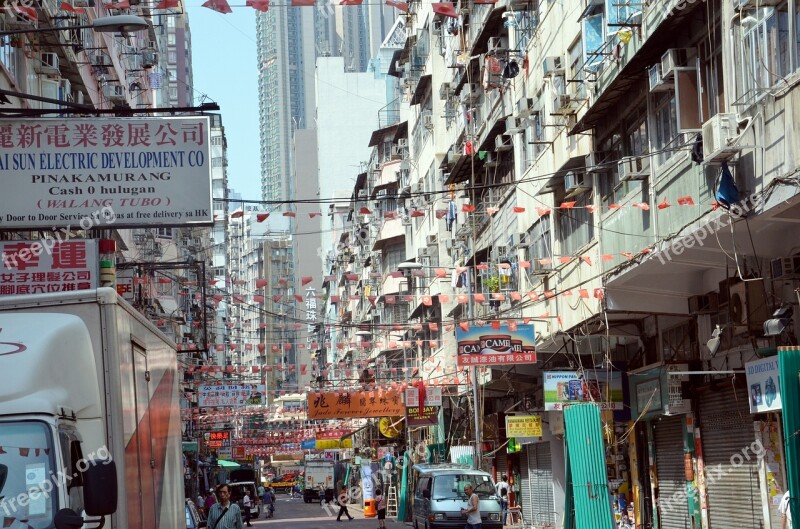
[[538, 505]]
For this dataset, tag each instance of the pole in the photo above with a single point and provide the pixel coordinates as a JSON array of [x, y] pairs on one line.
[[473, 373]]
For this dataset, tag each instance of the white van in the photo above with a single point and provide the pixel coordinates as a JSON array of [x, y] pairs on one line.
[[439, 497]]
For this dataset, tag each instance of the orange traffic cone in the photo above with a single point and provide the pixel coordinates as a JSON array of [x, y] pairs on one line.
[[369, 509]]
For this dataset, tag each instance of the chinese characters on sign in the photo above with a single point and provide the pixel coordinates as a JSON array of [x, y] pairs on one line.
[[148, 171], [568, 387], [332, 405], [311, 314], [230, 395], [523, 426], [37, 267], [479, 346], [433, 396]]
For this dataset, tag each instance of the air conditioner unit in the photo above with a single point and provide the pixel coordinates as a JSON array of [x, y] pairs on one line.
[[432, 240], [786, 268], [718, 133], [575, 183], [705, 304], [657, 81], [565, 104], [448, 245], [79, 97], [402, 143], [552, 66], [748, 307], [518, 240], [634, 168], [397, 152], [101, 59], [427, 120], [114, 92], [593, 164], [498, 44], [670, 60], [513, 126], [422, 252], [65, 90], [48, 64], [445, 91], [501, 143], [470, 93], [490, 160], [501, 250], [149, 58], [538, 268]]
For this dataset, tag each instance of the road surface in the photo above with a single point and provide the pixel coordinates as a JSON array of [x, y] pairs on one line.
[[312, 516]]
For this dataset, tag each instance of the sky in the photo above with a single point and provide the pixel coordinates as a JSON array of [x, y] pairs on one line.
[[225, 70]]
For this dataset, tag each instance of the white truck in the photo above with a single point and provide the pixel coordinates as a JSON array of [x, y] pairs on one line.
[[319, 480], [89, 411]]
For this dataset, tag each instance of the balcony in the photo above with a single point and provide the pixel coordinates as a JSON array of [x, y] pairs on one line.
[[392, 285], [387, 176], [390, 229]]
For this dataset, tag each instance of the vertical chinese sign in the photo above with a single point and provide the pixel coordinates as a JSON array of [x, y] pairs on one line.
[[136, 171]]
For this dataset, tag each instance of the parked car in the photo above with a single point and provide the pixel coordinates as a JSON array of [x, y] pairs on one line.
[[193, 518], [439, 497]]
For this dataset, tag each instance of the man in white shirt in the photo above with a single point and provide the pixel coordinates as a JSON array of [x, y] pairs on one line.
[[502, 491], [786, 512], [473, 510], [247, 504]]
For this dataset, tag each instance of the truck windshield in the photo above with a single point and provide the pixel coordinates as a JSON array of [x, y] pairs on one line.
[[451, 486], [27, 467]]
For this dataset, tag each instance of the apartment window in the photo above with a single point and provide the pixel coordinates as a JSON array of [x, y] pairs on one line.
[[216, 161], [393, 256], [575, 79], [170, 21], [173, 92], [171, 37], [164, 233], [575, 228], [172, 56], [665, 125], [764, 50], [216, 140], [538, 236]]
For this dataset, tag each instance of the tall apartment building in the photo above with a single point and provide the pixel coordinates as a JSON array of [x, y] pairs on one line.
[[623, 177]]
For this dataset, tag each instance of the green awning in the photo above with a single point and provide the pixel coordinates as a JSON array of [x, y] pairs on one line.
[[227, 464]]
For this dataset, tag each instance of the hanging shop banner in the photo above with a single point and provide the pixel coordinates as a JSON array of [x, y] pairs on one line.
[[496, 346], [330, 444], [48, 265], [94, 172], [433, 396], [231, 395], [764, 383], [563, 388], [523, 426], [332, 405], [425, 416]]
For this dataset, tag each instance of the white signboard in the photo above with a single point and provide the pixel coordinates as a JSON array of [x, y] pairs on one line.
[[136, 171], [47, 265], [125, 285], [433, 397], [231, 395], [764, 385]]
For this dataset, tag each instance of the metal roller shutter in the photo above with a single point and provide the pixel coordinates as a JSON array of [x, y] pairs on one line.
[[672, 513], [541, 484], [526, 484], [502, 464], [726, 427]]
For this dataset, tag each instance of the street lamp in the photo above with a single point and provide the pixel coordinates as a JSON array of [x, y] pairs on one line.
[[113, 24]]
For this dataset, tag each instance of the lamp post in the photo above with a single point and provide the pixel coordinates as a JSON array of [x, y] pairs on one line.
[[113, 24]]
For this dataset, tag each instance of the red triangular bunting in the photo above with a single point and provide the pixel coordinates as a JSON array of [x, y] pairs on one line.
[[220, 6], [445, 9], [258, 5]]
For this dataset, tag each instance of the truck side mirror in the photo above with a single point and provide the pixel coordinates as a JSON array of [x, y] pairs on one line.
[[100, 487]]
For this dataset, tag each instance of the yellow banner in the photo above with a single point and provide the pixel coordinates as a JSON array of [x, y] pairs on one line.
[[327, 444], [331, 405], [523, 426]]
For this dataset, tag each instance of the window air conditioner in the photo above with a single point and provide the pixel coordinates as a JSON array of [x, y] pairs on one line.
[[718, 133], [490, 160], [518, 240], [498, 44], [114, 92], [513, 126], [634, 168], [445, 91], [65, 90], [48, 64], [657, 81], [577, 182], [470, 93], [501, 250], [525, 107], [552, 66], [565, 104], [670, 59], [501, 143], [397, 152], [149, 58], [538, 268], [101, 59], [432, 240], [402, 143], [427, 120], [786, 268]]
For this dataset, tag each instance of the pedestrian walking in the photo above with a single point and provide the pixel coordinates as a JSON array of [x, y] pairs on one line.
[[380, 501], [269, 502], [225, 514], [785, 511], [247, 505], [473, 509], [502, 492], [343, 506]]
